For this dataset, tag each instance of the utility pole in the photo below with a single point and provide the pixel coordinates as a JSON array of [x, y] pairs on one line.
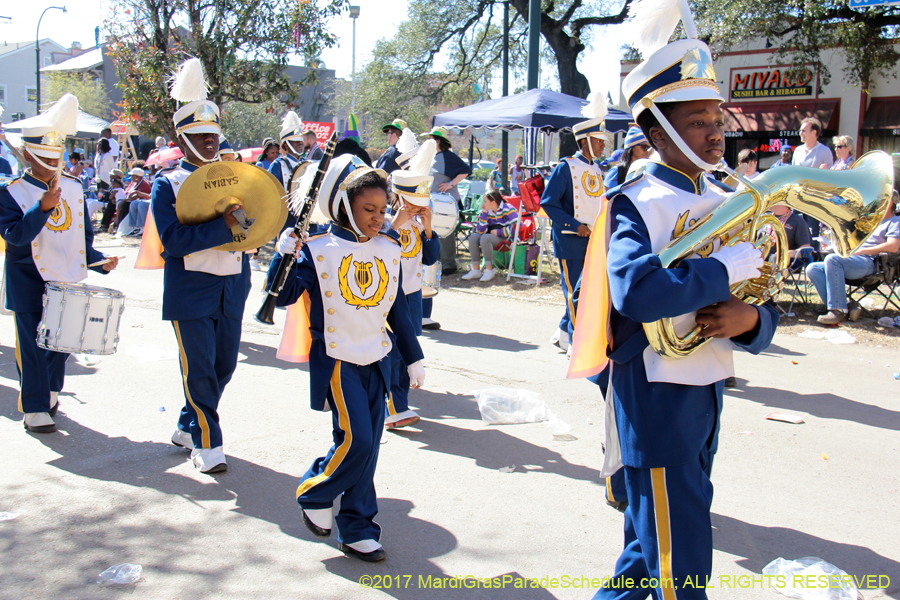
[[534, 42], [354, 13], [504, 145]]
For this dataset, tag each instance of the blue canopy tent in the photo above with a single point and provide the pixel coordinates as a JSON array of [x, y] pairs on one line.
[[535, 111]]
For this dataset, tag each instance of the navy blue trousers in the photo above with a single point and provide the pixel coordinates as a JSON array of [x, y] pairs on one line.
[[398, 400], [356, 396], [208, 351], [40, 371], [570, 273], [668, 534]]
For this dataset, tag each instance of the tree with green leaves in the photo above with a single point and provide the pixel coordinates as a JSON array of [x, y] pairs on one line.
[[247, 125], [244, 46], [464, 40], [802, 29], [90, 91]]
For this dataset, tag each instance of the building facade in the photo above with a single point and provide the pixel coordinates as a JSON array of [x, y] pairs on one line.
[[766, 101], [18, 87]]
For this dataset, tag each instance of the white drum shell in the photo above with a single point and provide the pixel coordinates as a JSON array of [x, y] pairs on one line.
[[79, 318], [444, 214], [430, 284]]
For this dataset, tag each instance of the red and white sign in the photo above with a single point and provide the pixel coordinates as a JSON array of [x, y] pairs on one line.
[[323, 131]]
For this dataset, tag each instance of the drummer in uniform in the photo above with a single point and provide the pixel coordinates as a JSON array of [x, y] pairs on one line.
[[48, 237], [204, 289], [388, 161], [572, 200], [418, 246]]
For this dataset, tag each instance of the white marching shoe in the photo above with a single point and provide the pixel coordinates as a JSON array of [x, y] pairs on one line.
[[488, 275], [209, 460], [183, 439], [560, 339], [54, 403], [39, 422], [318, 520], [401, 419], [473, 274]]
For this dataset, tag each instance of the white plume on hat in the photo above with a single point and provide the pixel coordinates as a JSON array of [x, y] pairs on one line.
[[407, 141], [424, 158], [655, 22], [189, 84], [596, 108], [63, 116], [291, 123]]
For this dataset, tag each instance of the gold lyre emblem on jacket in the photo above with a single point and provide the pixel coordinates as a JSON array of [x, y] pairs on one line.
[[363, 279], [410, 243]]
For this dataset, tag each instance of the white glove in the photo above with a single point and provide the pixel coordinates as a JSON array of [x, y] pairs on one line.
[[287, 244], [742, 261], [416, 373]]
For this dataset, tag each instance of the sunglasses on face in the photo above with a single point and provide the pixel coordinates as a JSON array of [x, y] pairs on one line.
[[840, 146], [645, 147]]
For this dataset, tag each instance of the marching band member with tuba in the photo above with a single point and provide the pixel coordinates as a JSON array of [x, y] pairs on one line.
[[48, 237], [663, 413], [204, 289], [572, 200], [419, 246], [353, 275]]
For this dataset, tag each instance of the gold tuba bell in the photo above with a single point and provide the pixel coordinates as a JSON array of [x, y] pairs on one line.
[[852, 203]]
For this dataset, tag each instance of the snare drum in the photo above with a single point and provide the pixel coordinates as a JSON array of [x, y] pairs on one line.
[[444, 214], [431, 282], [80, 318]]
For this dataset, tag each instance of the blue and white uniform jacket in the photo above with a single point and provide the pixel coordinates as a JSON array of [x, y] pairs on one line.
[[41, 247]]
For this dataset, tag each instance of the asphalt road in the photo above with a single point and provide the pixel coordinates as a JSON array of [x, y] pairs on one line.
[[109, 488]]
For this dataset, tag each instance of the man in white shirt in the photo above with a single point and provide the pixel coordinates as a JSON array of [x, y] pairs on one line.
[[113, 144], [811, 153]]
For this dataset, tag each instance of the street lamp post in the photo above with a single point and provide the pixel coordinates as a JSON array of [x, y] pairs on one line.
[[354, 13], [37, 53]]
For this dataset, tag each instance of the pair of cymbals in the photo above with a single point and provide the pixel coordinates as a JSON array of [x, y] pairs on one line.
[[211, 189]]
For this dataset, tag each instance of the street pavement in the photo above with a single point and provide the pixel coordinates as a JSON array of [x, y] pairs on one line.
[[109, 488]]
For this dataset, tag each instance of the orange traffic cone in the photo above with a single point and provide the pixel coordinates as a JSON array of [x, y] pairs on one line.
[[150, 254], [295, 339]]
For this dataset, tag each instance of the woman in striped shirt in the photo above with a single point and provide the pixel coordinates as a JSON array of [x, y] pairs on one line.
[[495, 224]]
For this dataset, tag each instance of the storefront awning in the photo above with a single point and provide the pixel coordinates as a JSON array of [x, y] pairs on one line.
[[778, 119], [882, 114]]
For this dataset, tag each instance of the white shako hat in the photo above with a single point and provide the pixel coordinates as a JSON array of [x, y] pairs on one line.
[[333, 192], [46, 138], [678, 72], [225, 146], [198, 115], [407, 146], [291, 127], [595, 111], [413, 184]]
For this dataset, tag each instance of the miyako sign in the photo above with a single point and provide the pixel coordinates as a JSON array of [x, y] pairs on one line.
[[771, 82]]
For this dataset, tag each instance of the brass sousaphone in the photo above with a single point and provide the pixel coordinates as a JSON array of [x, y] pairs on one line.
[[211, 189], [851, 203]]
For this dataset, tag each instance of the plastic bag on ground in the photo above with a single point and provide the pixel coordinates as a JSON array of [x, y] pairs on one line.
[[123, 574], [507, 406], [808, 569]]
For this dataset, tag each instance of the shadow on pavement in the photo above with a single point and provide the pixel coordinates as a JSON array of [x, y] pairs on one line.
[[489, 446], [760, 545], [775, 349], [265, 356], [825, 406], [477, 339]]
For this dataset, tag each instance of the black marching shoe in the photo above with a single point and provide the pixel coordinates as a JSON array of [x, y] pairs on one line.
[[374, 556], [317, 531]]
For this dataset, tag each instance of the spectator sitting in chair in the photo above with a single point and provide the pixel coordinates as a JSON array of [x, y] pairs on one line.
[[830, 276], [795, 227], [495, 224]]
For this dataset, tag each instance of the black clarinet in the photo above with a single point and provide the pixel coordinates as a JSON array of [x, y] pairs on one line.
[[267, 310]]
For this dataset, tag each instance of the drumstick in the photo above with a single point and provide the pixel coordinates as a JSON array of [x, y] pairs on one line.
[[104, 261]]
